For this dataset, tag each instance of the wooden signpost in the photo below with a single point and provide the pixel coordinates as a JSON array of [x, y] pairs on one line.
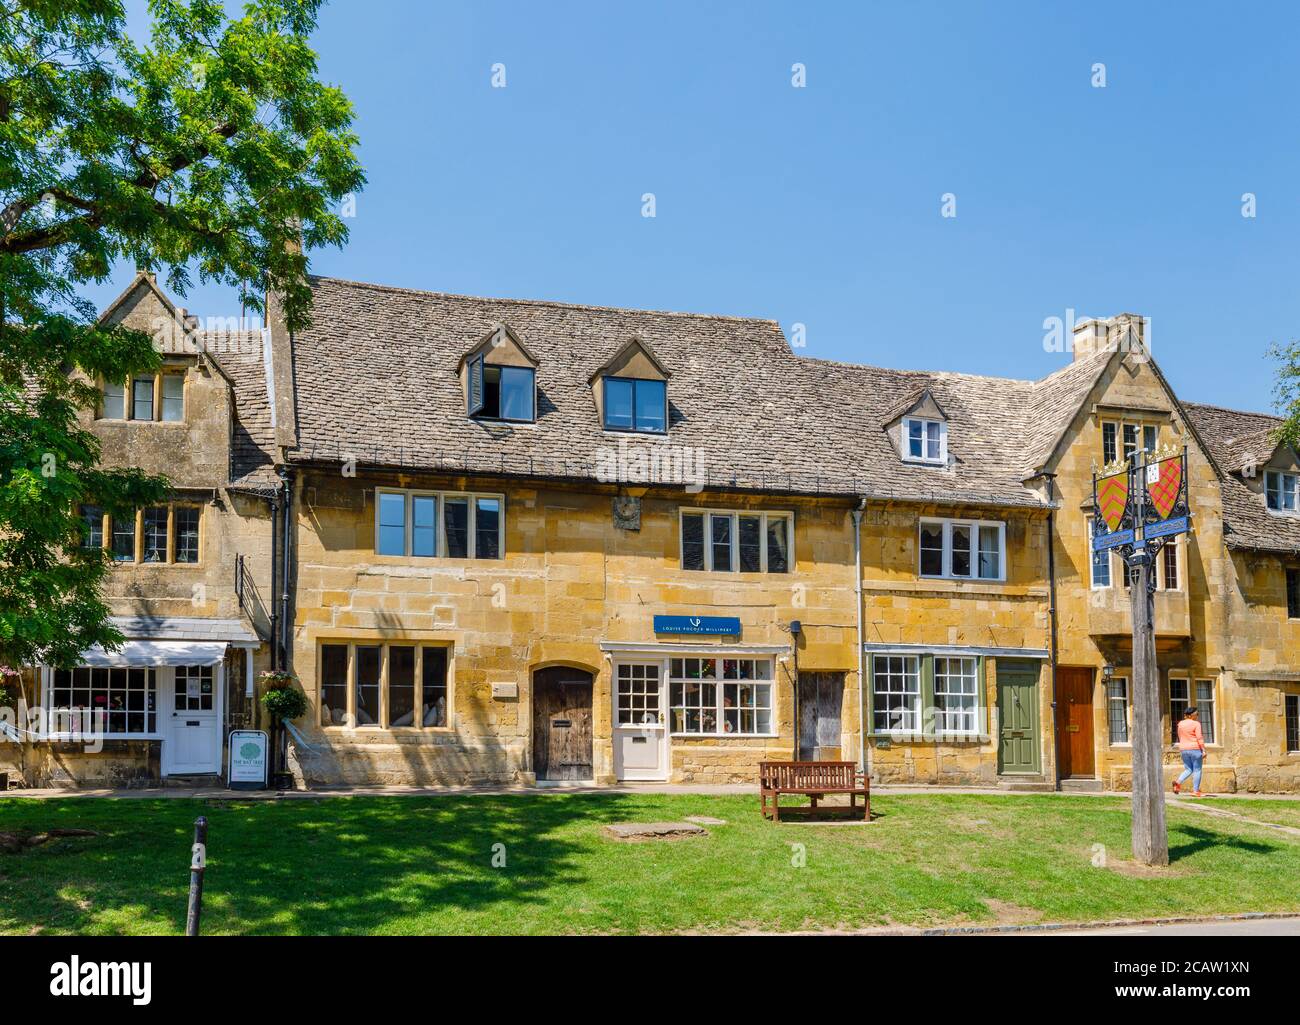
[[1140, 505]]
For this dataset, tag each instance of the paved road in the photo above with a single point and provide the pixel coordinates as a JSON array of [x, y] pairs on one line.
[[1237, 927]]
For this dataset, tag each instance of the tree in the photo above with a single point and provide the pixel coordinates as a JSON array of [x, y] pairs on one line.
[[1287, 392], [210, 148]]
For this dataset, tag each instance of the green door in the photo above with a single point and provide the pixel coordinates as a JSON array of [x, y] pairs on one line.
[[1018, 717]]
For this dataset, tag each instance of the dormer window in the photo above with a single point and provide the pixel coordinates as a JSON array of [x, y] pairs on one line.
[[925, 441], [1282, 491], [500, 379], [636, 405], [508, 393]]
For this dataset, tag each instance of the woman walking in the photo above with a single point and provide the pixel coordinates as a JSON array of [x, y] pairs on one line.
[[1191, 742]]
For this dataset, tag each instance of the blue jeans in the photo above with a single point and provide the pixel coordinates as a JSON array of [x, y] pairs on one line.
[[1192, 762]]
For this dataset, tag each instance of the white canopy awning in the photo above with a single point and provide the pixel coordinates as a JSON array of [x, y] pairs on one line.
[[158, 653]]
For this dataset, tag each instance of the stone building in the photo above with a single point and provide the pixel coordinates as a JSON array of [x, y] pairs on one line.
[[531, 541]]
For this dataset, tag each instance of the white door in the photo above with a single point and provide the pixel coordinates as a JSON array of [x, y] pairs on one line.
[[192, 732], [640, 722]]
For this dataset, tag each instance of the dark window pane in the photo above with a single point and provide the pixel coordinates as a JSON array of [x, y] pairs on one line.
[[651, 407], [433, 677], [1293, 722], [392, 524], [517, 392], [1109, 452], [751, 539], [491, 393], [693, 541], [961, 551], [333, 684], [618, 404], [932, 549], [142, 398], [155, 535], [124, 538], [456, 527], [424, 525], [487, 528], [401, 686], [185, 520], [1293, 593], [778, 544], [92, 516], [367, 695], [720, 537]]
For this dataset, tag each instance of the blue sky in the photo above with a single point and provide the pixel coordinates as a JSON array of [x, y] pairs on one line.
[[822, 205]]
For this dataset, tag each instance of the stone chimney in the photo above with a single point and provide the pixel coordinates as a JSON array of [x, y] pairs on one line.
[[1124, 331]]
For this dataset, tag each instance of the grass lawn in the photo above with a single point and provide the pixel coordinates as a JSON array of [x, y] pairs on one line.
[[1280, 813], [425, 865]]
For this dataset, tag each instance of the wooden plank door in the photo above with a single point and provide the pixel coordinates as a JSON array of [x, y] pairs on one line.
[[1074, 743], [562, 722], [1018, 737], [821, 699]]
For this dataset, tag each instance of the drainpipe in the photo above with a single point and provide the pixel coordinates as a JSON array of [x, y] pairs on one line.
[[796, 628], [862, 678], [1051, 617], [286, 555], [275, 561]]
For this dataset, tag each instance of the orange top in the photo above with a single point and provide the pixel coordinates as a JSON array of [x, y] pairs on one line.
[[1190, 737]]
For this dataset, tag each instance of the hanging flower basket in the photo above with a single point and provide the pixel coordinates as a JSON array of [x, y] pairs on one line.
[[277, 679]]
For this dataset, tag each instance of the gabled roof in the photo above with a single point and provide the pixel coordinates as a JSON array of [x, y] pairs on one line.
[[1238, 440], [490, 338], [641, 345], [911, 403]]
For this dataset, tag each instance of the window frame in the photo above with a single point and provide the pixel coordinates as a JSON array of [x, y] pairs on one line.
[[440, 537], [918, 673], [128, 384], [385, 646], [762, 515], [1291, 724], [1281, 477], [1126, 700], [1120, 426], [49, 700], [940, 708], [977, 527], [480, 413], [1291, 591], [1105, 558], [720, 682], [633, 381], [925, 422], [138, 538], [1172, 547]]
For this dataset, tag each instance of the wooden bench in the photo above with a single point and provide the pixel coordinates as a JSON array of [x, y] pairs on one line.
[[813, 780]]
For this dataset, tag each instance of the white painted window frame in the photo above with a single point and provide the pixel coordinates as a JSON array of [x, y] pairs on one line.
[[975, 526], [912, 671], [925, 422], [440, 542], [1282, 476], [719, 707], [762, 515], [975, 716]]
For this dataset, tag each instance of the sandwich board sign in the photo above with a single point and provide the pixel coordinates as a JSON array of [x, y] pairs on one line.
[[248, 751]]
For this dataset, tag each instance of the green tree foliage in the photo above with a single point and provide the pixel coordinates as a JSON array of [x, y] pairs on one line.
[[1287, 392], [212, 148]]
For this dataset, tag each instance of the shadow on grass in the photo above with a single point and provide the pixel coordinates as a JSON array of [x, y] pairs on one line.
[[1204, 839], [316, 867]]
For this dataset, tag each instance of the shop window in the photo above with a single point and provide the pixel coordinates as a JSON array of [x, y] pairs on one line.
[[125, 697], [714, 696]]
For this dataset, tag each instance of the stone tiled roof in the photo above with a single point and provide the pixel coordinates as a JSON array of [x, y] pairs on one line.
[[376, 380], [252, 447], [1242, 441]]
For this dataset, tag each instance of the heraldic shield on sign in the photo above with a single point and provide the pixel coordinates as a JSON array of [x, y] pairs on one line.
[[1159, 510]]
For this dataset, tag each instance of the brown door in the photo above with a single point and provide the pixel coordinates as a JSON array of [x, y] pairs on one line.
[[1074, 721], [562, 723], [821, 696]]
